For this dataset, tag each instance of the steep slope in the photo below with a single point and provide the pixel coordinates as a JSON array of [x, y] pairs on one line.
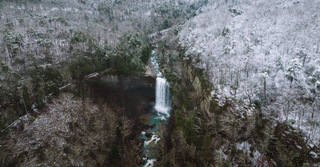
[[244, 77], [262, 52]]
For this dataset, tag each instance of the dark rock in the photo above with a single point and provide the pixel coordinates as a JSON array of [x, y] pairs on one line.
[[148, 135], [152, 126]]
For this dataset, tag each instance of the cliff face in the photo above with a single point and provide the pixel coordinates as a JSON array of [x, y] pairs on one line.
[[134, 94]]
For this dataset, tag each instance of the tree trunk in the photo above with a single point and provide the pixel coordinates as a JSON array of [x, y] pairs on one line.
[[313, 109], [25, 107], [291, 79], [264, 88], [8, 55]]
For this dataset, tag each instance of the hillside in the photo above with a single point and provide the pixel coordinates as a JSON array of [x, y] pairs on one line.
[[78, 83], [262, 51], [245, 85]]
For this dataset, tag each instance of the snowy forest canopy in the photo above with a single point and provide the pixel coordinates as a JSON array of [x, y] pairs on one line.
[[237, 70], [265, 51]]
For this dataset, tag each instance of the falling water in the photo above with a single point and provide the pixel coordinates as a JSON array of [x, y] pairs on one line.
[[162, 88], [161, 113], [162, 96]]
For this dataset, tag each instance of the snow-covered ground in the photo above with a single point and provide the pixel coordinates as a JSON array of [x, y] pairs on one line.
[[262, 50]]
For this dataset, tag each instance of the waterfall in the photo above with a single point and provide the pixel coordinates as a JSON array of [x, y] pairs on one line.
[[162, 88], [162, 96], [162, 109]]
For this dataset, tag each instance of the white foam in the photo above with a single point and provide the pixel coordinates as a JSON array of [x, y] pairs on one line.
[[153, 138], [161, 117], [150, 163], [162, 96]]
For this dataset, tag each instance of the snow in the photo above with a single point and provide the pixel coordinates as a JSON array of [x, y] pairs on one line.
[[262, 48], [245, 146], [92, 75], [314, 154], [54, 9]]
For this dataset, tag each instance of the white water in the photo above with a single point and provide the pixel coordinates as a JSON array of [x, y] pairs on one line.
[[150, 162], [162, 108], [162, 88], [154, 138], [162, 96]]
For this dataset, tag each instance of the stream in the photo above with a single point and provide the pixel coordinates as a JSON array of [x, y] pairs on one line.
[[158, 116]]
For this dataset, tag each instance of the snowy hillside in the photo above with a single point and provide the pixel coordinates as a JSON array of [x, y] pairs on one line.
[[262, 52], [238, 82]]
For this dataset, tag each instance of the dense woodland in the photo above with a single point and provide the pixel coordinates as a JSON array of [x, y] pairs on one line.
[[244, 78]]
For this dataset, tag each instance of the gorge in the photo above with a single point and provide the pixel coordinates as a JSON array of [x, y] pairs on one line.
[[141, 83], [159, 114]]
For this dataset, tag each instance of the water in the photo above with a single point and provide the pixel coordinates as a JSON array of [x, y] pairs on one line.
[[162, 96], [159, 115], [162, 88]]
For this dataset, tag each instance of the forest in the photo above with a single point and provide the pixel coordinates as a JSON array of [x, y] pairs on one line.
[[78, 82]]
